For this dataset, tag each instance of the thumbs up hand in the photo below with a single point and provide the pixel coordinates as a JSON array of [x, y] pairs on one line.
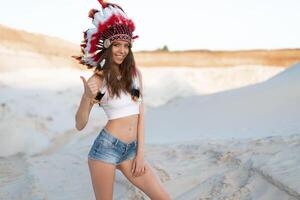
[[90, 87]]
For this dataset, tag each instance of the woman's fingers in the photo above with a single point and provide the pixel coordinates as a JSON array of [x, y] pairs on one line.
[[137, 171], [94, 90], [92, 84], [133, 167], [90, 87], [140, 171], [87, 90], [143, 170], [87, 86]]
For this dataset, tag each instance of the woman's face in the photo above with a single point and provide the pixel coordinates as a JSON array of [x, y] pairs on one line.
[[120, 50]]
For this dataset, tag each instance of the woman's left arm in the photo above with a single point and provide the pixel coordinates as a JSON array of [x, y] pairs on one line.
[[138, 166], [140, 130], [140, 127]]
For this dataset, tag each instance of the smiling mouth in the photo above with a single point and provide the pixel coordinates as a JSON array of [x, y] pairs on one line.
[[120, 57]]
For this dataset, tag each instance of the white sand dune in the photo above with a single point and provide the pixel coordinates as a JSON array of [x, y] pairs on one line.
[[168, 83], [42, 156], [271, 107], [43, 101]]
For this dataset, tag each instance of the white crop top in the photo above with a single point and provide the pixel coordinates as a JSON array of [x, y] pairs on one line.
[[118, 107]]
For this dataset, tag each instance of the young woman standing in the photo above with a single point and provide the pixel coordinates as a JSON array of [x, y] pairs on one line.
[[116, 86]]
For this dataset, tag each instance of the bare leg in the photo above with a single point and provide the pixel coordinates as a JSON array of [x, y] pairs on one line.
[[149, 183], [103, 176]]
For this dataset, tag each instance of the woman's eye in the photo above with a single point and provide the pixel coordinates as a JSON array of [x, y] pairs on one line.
[[124, 45]]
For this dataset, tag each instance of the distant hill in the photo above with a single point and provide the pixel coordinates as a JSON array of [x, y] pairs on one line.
[[23, 49], [206, 58], [18, 39]]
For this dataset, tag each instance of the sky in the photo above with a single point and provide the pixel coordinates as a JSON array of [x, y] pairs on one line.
[[181, 25]]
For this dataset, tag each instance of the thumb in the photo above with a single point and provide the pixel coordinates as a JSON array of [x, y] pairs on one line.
[[83, 80]]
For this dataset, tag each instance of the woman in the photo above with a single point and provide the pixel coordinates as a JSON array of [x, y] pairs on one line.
[[116, 86]]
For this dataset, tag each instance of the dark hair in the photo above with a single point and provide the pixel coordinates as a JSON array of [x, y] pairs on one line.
[[114, 85]]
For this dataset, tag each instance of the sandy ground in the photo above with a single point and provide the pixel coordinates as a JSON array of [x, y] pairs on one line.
[[44, 157], [266, 168]]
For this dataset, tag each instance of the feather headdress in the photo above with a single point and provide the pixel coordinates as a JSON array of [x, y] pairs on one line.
[[111, 23]]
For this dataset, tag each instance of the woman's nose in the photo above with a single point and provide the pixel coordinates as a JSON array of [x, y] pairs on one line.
[[122, 49]]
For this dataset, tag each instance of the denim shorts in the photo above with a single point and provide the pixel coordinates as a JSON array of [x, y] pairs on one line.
[[110, 149]]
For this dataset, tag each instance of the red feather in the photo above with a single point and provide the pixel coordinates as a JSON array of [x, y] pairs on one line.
[[104, 5], [96, 57]]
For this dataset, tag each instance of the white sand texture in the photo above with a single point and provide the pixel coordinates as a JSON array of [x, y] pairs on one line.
[[209, 135]]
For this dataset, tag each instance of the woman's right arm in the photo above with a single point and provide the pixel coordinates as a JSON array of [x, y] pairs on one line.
[[91, 88]]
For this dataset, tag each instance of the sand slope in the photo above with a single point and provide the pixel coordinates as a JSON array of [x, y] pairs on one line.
[[268, 108]]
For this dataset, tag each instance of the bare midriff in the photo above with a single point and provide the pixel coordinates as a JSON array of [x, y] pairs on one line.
[[124, 128]]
